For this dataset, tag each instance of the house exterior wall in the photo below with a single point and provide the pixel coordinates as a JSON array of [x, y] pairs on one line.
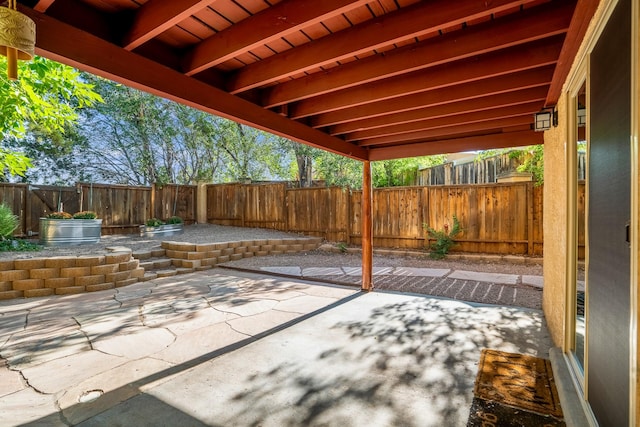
[[555, 225], [556, 194]]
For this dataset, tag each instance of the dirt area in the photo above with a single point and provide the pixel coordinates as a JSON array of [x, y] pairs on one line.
[[326, 257]]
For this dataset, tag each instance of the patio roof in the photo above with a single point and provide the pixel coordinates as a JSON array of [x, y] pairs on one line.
[[371, 80]]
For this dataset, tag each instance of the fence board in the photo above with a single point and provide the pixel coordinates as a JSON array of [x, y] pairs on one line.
[[224, 204], [322, 212], [264, 206]]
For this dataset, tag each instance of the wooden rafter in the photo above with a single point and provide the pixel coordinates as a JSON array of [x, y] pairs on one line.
[[97, 56], [272, 23], [442, 122], [458, 128], [452, 47], [494, 85], [518, 58], [43, 5], [456, 145], [507, 99], [156, 16]]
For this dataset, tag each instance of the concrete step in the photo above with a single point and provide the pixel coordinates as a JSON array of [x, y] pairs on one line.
[[165, 273]]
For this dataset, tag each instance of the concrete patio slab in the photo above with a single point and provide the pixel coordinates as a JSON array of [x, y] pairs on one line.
[[537, 281], [210, 349], [509, 279], [322, 271], [421, 272], [376, 360], [291, 271]]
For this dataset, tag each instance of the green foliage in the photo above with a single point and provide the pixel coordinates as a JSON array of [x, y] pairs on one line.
[[174, 220], [46, 97], [443, 239], [532, 159], [342, 247], [392, 173], [8, 221], [59, 215], [18, 245], [154, 222], [85, 215]]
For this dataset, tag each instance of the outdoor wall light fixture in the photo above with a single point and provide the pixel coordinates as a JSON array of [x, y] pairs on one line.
[[17, 37], [582, 116], [544, 119]]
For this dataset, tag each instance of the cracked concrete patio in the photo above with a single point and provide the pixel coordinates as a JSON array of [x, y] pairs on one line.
[[233, 348]]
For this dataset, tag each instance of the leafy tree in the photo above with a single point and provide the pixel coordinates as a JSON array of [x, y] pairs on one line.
[[391, 173], [45, 99]]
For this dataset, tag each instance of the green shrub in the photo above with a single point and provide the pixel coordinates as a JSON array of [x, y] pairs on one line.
[[154, 222], [443, 239], [59, 215], [8, 221], [85, 215], [174, 220]]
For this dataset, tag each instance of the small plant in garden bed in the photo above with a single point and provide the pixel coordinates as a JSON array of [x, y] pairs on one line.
[[154, 222], [18, 245], [59, 215], [443, 239], [85, 215], [174, 220]]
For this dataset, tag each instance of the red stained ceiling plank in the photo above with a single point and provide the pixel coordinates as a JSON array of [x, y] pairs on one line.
[[577, 29], [441, 122], [264, 27], [480, 88], [456, 145], [543, 21], [449, 131], [100, 57], [517, 58], [541, 53], [157, 16], [507, 99]]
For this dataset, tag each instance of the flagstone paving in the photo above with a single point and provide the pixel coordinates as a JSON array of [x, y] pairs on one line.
[[225, 347]]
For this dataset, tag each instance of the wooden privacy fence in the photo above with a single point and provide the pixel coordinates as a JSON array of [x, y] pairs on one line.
[[496, 218], [122, 208]]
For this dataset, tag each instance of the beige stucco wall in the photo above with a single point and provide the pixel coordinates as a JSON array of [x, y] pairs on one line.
[[555, 225]]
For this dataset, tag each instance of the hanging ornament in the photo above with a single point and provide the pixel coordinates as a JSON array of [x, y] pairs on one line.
[[17, 37]]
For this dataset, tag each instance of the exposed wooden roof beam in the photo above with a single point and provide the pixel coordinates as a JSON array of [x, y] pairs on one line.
[[456, 145], [527, 109], [507, 99], [457, 129], [518, 58], [43, 5], [157, 16], [262, 28], [494, 85], [539, 22], [577, 29], [100, 57]]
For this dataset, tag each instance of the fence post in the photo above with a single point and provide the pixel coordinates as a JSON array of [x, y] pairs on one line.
[[530, 234], [349, 215], [285, 213], [26, 214], [152, 205], [201, 203]]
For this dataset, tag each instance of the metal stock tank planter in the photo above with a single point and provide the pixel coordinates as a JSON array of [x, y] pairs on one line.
[[158, 228], [63, 229]]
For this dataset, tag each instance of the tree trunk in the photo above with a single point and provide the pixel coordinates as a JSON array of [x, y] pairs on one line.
[[305, 170]]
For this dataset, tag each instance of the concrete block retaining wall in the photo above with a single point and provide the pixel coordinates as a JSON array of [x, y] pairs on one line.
[[38, 277]]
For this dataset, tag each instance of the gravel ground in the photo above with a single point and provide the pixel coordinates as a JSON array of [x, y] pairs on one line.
[[198, 233], [324, 258], [209, 233]]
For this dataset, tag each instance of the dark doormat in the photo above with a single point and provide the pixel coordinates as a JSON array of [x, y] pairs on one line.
[[485, 413], [514, 389]]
